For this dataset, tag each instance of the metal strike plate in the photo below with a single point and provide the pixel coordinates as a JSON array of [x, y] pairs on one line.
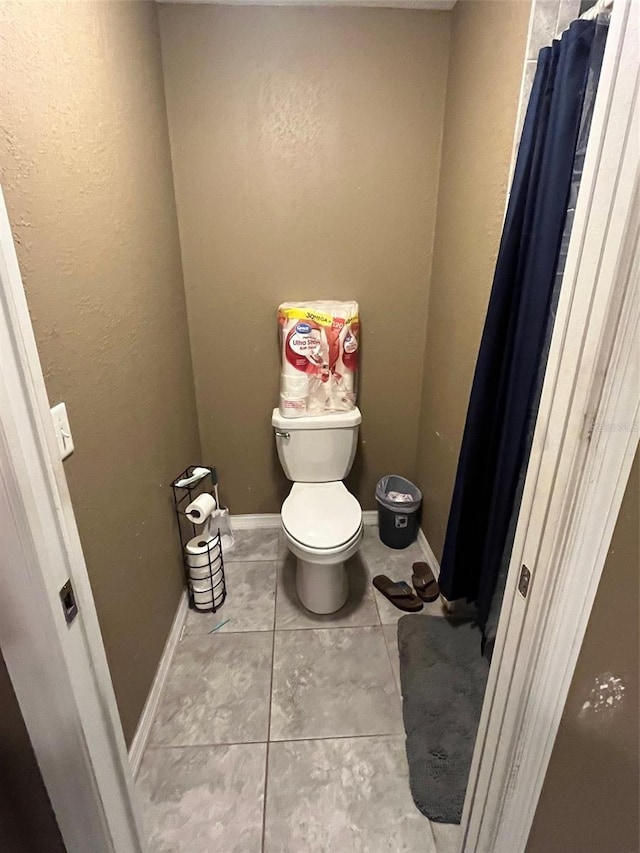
[[69, 605], [525, 581]]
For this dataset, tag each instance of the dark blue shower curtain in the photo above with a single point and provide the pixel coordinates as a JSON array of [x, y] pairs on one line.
[[494, 441]]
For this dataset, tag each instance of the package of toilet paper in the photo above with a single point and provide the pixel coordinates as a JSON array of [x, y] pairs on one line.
[[319, 357]]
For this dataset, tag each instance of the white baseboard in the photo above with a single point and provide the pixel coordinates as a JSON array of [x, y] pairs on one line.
[[460, 606], [139, 742], [271, 520], [430, 557], [261, 521]]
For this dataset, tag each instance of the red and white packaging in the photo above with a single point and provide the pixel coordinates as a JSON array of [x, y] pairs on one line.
[[319, 357]]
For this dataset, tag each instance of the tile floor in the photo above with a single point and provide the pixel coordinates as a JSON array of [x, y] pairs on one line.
[[282, 731]]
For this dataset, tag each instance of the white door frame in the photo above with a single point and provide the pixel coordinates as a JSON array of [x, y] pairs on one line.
[[579, 465], [59, 672], [584, 442]]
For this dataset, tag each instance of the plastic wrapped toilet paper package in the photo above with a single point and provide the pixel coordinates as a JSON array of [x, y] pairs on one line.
[[319, 357]]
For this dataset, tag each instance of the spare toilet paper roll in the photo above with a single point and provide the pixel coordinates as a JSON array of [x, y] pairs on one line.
[[205, 586], [204, 590], [204, 594], [203, 599], [201, 508], [294, 386], [201, 552], [199, 578], [206, 573], [294, 391]]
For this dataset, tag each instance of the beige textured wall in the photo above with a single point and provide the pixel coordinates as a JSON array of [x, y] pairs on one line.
[[488, 41], [86, 171], [306, 148], [589, 801]]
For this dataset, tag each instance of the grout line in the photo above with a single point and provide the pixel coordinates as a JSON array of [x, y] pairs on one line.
[[338, 737], [386, 645], [207, 745], [555, 26], [275, 601], [220, 633], [375, 598], [287, 630], [393, 673], [266, 761], [327, 628], [279, 740]]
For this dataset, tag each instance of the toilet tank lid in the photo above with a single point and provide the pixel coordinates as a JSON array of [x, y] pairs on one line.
[[334, 420]]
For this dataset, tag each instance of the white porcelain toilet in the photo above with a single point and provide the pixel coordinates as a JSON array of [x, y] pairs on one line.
[[321, 519]]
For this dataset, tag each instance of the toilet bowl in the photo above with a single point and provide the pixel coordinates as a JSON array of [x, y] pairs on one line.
[[322, 524], [321, 519]]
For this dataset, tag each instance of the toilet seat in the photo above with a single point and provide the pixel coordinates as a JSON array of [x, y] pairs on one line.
[[322, 516]]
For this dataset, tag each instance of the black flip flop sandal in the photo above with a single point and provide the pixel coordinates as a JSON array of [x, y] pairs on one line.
[[424, 582], [399, 594]]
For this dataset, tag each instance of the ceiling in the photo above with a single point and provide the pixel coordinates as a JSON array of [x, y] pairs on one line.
[[440, 5]]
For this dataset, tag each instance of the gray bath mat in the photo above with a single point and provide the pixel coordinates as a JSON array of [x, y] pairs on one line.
[[443, 678]]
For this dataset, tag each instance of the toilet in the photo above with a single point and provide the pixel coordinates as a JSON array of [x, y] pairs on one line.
[[321, 519]]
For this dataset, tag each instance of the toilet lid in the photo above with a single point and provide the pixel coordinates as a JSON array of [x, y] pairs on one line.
[[321, 515]]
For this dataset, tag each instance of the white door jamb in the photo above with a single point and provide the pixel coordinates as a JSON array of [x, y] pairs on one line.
[[584, 442], [59, 672]]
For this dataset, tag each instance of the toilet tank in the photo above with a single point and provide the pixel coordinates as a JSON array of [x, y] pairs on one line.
[[317, 449]]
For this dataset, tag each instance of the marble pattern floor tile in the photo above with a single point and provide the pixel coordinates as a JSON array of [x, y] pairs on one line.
[[334, 677], [333, 683], [283, 548], [359, 610], [250, 602], [254, 544], [447, 836], [350, 794], [390, 633], [199, 799], [529, 76], [568, 11], [397, 565], [217, 691], [389, 614], [379, 559], [543, 28]]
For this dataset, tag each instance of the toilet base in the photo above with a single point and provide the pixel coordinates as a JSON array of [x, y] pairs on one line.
[[322, 588]]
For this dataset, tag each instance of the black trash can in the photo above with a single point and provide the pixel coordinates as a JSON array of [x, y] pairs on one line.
[[399, 502]]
